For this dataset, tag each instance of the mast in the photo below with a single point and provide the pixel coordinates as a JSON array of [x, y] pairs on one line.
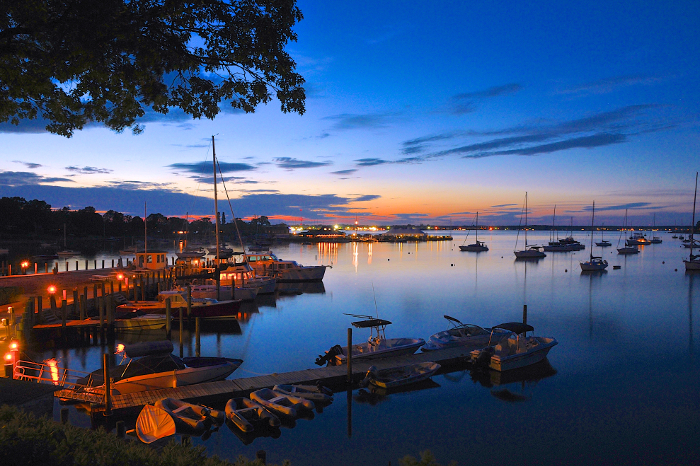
[[477, 227], [592, 219], [525, 220], [145, 229], [692, 225], [216, 202]]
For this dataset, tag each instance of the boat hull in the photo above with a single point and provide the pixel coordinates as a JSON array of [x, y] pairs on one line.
[[401, 376], [501, 361], [473, 248], [385, 348]]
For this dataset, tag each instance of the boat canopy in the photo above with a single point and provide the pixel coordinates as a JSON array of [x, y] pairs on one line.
[[147, 348], [515, 327], [370, 323]]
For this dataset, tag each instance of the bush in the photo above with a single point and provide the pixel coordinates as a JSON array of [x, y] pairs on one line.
[[9, 294], [27, 440]]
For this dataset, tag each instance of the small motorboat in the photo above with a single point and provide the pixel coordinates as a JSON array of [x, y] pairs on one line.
[[245, 413], [377, 346], [151, 366], [400, 376], [280, 403], [171, 416], [318, 394], [518, 350], [469, 335]]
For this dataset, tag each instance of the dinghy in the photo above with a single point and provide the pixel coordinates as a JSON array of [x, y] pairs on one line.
[[280, 403], [317, 394], [245, 413], [171, 416], [400, 376]]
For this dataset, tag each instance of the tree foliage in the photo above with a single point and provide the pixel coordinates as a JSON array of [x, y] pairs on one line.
[[73, 62]]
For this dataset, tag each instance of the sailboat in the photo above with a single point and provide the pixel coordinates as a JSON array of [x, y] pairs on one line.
[[627, 249], [603, 243], [593, 263], [478, 246], [693, 262], [655, 239], [531, 251], [66, 252]]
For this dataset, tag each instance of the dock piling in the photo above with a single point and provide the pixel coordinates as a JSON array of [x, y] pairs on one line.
[[348, 357]]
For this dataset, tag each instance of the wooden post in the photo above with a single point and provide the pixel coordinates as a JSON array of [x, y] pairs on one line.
[[524, 313], [168, 323], [76, 304], [94, 263], [64, 315], [181, 329], [348, 356], [189, 301], [103, 263], [108, 384], [82, 307], [40, 309], [197, 342]]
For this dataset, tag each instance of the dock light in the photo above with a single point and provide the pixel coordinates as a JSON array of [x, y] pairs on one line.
[[120, 276], [14, 345], [51, 289], [9, 367], [24, 265]]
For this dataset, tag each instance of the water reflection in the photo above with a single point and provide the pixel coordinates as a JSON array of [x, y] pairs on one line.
[[514, 385]]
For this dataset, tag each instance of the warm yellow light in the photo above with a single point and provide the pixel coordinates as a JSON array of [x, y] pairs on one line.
[[120, 276], [51, 289], [14, 345], [120, 348], [25, 264], [8, 357], [53, 367]]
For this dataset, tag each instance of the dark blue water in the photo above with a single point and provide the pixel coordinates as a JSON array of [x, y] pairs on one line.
[[620, 388]]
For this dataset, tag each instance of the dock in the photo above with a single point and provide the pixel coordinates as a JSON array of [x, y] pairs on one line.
[[332, 376]]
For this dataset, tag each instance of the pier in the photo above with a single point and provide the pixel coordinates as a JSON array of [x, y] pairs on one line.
[[331, 376]]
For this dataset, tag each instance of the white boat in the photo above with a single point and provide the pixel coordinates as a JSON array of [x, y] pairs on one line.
[[377, 346], [152, 366], [241, 273], [637, 239], [205, 308], [518, 350], [627, 249], [319, 395], [468, 335], [170, 416], [284, 270], [280, 403], [477, 246], [244, 293], [594, 263], [530, 251], [245, 414], [141, 321], [400, 376], [693, 262]]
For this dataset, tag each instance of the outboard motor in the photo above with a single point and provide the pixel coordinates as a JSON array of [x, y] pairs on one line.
[[371, 372], [335, 350], [484, 357]]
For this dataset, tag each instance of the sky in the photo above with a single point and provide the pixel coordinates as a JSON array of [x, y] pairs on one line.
[[421, 112]]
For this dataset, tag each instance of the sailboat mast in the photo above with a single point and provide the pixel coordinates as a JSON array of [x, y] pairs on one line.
[[145, 229], [526, 220], [477, 227], [592, 220], [216, 202], [692, 225]]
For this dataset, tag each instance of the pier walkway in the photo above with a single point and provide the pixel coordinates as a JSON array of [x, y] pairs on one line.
[[225, 389]]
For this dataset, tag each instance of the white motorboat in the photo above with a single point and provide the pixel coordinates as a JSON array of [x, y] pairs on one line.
[[468, 335], [400, 376], [476, 246], [593, 264], [281, 403], [245, 414], [244, 293], [530, 251], [284, 270], [693, 262], [205, 308], [241, 273], [141, 322], [377, 346], [152, 366], [518, 350]]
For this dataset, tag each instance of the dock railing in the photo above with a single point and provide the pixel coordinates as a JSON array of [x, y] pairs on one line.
[[49, 373]]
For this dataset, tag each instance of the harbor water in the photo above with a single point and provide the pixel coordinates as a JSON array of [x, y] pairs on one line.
[[620, 388]]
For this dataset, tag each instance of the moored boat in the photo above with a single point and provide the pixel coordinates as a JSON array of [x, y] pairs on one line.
[[245, 414], [530, 251], [319, 395], [284, 270], [468, 335], [693, 261], [400, 376], [518, 350], [170, 416], [201, 307], [476, 246], [594, 263], [280, 403]]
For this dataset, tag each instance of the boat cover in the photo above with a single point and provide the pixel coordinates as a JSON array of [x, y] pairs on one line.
[[516, 327], [370, 323]]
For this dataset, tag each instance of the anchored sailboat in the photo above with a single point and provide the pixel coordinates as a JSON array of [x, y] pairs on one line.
[[531, 251], [593, 263], [693, 262]]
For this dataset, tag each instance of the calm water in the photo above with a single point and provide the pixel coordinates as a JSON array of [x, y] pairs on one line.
[[623, 388]]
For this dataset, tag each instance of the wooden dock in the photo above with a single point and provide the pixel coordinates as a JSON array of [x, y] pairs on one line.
[[332, 376]]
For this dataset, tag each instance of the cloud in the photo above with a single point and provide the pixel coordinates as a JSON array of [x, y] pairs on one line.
[[586, 142], [366, 198], [370, 162], [14, 179], [290, 163], [503, 205], [345, 172], [629, 206], [608, 85], [28, 164], [88, 170], [348, 121], [203, 168], [490, 92]]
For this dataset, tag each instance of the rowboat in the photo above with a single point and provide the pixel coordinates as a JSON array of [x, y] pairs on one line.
[[400, 376], [245, 413], [170, 416], [280, 403], [319, 395]]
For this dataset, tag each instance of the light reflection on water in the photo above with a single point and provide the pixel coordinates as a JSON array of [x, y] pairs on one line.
[[620, 386]]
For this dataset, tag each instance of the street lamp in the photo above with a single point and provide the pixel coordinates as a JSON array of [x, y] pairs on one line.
[[24, 265]]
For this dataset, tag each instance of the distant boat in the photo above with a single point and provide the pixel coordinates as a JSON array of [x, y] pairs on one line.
[[603, 243], [655, 239], [693, 262], [594, 263], [627, 249], [477, 246], [531, 251]]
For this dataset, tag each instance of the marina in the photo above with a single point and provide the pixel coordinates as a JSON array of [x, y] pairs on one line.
[[596, 395]]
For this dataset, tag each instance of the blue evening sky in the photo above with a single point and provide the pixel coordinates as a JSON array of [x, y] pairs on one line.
[[421, 112]]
